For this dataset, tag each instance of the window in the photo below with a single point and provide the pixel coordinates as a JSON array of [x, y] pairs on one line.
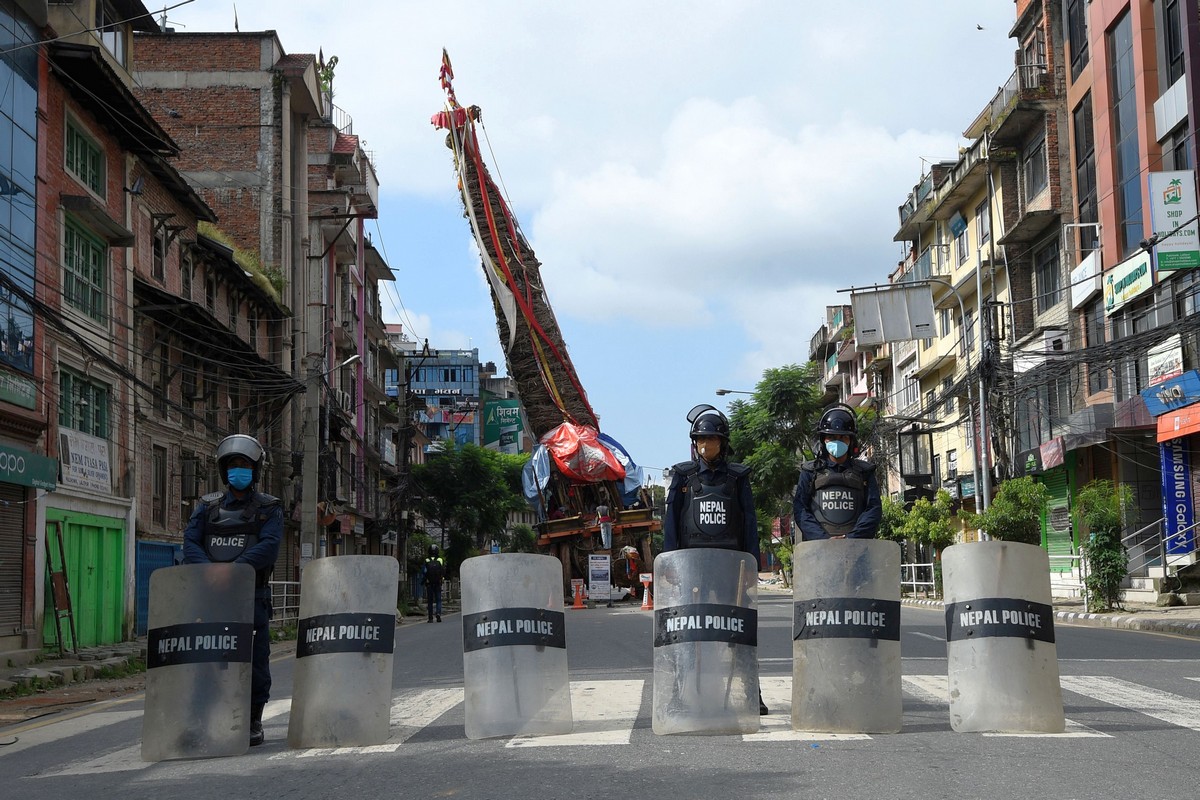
[[944, 323], [187, 391], [1175, 152], [937, 470], [947, 397], [158, 480], [1085, 171], [158, 265], [910, 391], [931, 404], [185, 278], [1035, 58], [1036, 178], [252, 328], [966, 341], [85, 271], [1047, 273], [189, 483], [112, 30], [962, 245], [233, 311], [85, 159], [1172, 41], [983, 223], [82, 403], [1093, 328], [1126, 144], [161, 373], [1077, 36], [210, 293], [952, 464]]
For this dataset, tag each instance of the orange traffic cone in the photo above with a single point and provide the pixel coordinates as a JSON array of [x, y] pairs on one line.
[[647, 600], [578, 596]]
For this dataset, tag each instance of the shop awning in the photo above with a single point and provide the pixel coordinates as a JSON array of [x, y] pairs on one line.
[[1182, 422]]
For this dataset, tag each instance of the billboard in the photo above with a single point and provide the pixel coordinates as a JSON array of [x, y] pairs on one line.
[[502, 425]]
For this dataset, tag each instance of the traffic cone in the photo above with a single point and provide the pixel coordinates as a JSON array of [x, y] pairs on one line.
[[578, 597], [647, 600]]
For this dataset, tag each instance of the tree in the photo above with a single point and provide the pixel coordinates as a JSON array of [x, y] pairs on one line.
[[469, 492], [1103, 509], [771, 434], [930, 522], [891, 526], [1015, 514]]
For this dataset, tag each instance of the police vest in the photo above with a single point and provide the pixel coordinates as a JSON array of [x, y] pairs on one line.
[[229, 532], [839, 497], [712, 512]]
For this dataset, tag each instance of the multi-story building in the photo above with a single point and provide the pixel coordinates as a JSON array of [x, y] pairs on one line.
[[27, 463]]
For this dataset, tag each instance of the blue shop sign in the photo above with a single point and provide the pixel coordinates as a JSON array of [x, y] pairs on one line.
[[1177, 497], [1173, 393]]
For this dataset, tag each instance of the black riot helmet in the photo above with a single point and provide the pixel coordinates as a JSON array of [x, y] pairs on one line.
[[433, 551], [708, 421], [838, 420], [239, 444]]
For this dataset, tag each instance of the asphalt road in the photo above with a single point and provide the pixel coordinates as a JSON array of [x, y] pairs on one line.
[[1132, 698]]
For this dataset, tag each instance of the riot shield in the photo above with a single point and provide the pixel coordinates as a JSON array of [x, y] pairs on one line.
[[1002, 663], [198, 651], [342, 689], [514, 646], [846, 636], [705, 642]]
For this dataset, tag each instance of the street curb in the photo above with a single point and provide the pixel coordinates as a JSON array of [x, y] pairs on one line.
[[1129, 622]]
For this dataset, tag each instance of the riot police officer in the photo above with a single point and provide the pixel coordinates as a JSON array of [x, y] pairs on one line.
[[837, 496], [710, 502], [435, 573], [245, 526]]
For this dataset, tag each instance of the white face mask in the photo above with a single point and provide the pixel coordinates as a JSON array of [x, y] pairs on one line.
[[708, 449]]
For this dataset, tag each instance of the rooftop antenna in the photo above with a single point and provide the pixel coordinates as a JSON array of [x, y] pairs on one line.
[[163, 25]]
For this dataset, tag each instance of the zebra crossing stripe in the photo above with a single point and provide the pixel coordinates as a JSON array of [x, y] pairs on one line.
[[1170, 708], [936, 689], [777, 726], [604, 713]]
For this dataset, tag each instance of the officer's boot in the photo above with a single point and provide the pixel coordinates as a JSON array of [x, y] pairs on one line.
[[257, 736], [762, 707]]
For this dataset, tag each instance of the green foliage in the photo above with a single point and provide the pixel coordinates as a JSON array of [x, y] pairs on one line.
[[891, 526], [930, 522], [268, 278], [1015, 514], [469, 491], [1103, 509], [521, 539], [770, 433], [783, 554]]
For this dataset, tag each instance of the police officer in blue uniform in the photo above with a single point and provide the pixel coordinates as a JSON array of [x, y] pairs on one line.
[[242, 525], [710, 502], [837, 496]]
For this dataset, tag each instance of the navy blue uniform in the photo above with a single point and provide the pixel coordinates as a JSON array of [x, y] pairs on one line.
[[865, 526], [260, 555], [674, 537]]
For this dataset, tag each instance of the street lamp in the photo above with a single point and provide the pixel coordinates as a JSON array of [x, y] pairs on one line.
[[723, 392]]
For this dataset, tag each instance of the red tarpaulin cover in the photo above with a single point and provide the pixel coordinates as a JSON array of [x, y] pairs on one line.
[[579, 455]]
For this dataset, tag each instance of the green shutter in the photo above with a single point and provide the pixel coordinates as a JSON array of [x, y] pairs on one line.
[[1056, 519]]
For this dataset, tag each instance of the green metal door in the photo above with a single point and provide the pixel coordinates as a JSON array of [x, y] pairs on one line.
[[1056, 519], [95, 550]]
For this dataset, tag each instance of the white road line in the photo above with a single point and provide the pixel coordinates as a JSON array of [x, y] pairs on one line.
[[1166, 706], [777, 726], [928, 636], [604, 714], [936, 689], [45, 734]]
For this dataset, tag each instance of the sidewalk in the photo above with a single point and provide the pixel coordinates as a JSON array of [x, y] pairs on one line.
[[1179, 620]]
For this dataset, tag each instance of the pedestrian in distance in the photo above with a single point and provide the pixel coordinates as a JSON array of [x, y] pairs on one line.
[[244, 526], [605, 525], [435, 573], [837, 496], [711, 478]]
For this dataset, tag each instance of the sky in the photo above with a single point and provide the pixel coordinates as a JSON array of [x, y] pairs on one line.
[[697, 178]]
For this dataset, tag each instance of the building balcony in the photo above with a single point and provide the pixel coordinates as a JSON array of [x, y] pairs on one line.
[[1017, 107], [966, 178], [818, 345], [1031, 226]]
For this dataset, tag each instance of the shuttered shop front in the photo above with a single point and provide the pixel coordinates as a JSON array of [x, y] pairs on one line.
[[12, 529]]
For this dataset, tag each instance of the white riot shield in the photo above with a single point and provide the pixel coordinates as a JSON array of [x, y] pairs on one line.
[[1002, 662], [198, 652], [342, 689], [514, 646], [846, 636], [705, 642]]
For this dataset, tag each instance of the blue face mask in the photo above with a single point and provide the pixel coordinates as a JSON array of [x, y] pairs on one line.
[[836, 449], [240, 477]]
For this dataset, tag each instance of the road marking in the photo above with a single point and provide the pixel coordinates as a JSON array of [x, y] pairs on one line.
[[941, 639], [604, 713], [777, 726], [936, 689], [46, 733], [1166, 706]]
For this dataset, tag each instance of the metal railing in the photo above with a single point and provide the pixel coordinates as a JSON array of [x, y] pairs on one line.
[[1148, 549], [285, 600], [917, 577]]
